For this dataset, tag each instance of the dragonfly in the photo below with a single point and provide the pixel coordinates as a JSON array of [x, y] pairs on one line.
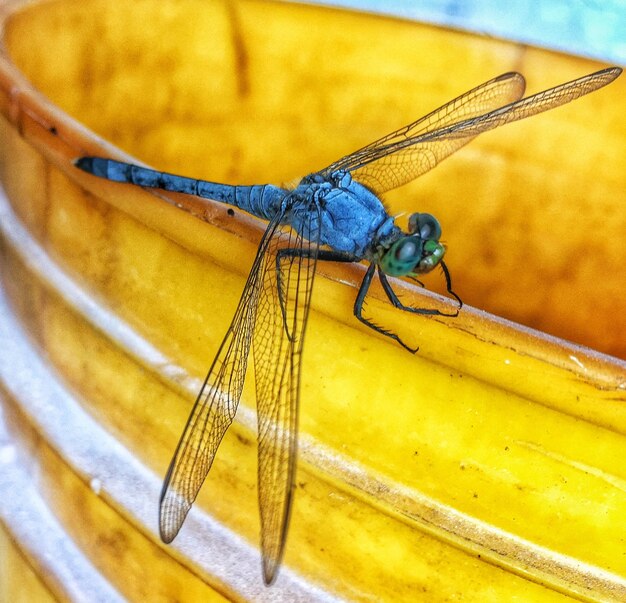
[[335, 214]]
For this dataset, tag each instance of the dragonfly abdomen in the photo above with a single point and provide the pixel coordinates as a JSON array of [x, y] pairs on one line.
[[262, 200]]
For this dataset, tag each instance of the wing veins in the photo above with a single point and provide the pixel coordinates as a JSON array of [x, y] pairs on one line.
[[277, 369], [215, 406], [399, 158]]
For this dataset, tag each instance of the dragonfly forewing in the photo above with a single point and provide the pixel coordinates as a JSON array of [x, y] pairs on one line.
[[390, 163]]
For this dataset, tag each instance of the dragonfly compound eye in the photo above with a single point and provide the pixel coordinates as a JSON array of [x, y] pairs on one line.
[[425, 225], [403, 256]]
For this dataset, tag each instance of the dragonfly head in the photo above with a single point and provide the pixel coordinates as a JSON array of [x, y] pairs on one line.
[[417, 251]]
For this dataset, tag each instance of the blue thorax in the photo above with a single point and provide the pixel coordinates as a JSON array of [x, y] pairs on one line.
[[353, 218]]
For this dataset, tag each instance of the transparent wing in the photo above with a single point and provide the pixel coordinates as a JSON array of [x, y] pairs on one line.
[[215, 407], [278, 341], [413, 150], [490, 95]]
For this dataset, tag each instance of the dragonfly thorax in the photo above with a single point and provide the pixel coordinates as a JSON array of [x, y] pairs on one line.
[[352, 217]]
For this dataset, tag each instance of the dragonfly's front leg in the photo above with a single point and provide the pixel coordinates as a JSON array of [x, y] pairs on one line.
[[393, 298], [358, 310], [337, 256], [319, 254]]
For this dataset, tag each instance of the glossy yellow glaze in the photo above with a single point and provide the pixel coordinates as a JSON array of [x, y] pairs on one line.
[[20, 584], [488, 466]]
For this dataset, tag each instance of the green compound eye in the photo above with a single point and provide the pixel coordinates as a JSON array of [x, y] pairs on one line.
[[403, 256], [426, 226], [418, 252]]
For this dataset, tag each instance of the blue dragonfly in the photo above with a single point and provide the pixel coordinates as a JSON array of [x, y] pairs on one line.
[[335, 214]]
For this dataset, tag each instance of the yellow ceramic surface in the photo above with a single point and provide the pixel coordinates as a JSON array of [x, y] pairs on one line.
[[487, 467]]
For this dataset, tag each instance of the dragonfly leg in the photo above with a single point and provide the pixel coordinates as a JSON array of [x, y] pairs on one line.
[[446, 273], [358, 310], [393, 298], [317, 254]]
